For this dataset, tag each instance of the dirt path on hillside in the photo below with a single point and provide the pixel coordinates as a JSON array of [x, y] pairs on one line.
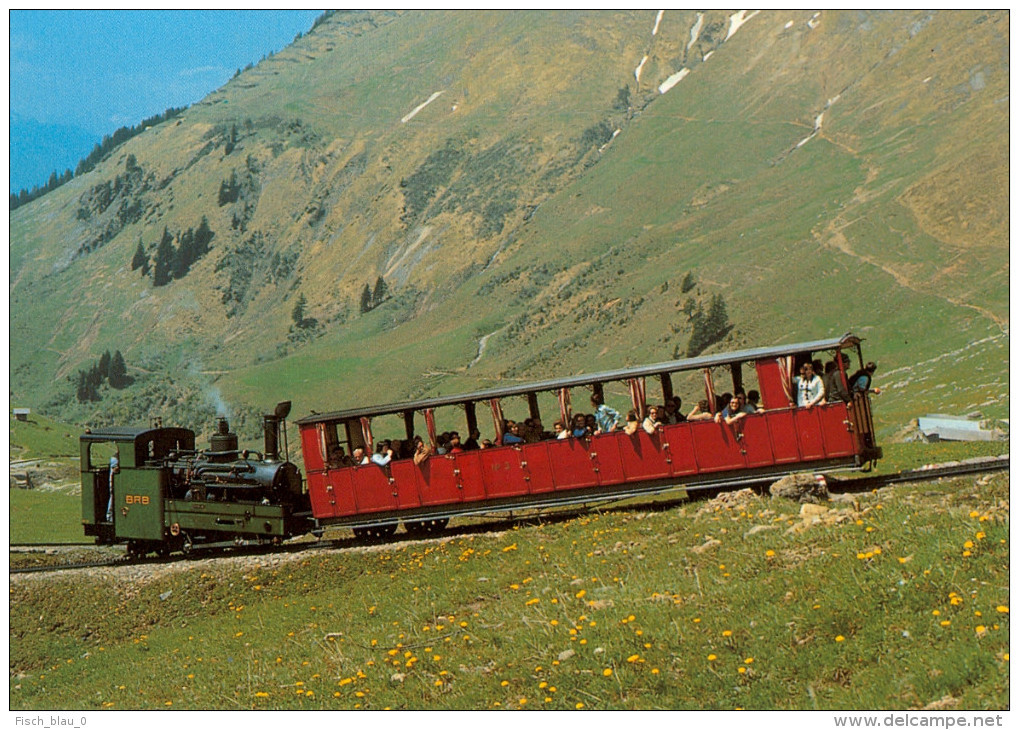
[[832, 237]]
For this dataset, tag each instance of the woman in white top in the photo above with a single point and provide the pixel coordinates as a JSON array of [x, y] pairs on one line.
[[653, 423]]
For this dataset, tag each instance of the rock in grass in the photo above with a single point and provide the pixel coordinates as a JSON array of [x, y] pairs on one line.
[[801, 488]]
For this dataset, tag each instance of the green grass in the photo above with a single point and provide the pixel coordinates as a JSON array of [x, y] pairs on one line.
[[45, 516], [40, 436], [900, 601]]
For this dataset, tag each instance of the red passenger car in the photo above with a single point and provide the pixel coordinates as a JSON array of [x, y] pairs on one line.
[[781, 439]]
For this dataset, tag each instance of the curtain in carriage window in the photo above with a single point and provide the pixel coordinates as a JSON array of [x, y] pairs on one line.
[[366, 431], [709, 387], [638, 396], [497, 418], [430, 426], [785, 369], [565, 408]]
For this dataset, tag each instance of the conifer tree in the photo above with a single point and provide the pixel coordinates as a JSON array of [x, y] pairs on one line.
[[118, 371], [162, 272], [298, 314], [379, 295], [104, 365], [140, 259], [366, 299], [203, 237]]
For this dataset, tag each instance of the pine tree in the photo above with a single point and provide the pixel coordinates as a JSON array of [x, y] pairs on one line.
[[162, 272], [688, 283], [140, 260], [298, 314], [203, 237], [104, 365], [366, 299], [379, 295], [184, 256], [118, 371]]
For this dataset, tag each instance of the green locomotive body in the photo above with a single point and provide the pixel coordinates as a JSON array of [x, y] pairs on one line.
[[151, 489]]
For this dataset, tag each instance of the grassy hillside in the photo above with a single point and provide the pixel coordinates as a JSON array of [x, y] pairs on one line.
[[523, 175], [891, 600]]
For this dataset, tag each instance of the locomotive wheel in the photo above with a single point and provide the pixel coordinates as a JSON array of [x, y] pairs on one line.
[[376, 533], [426, 527]]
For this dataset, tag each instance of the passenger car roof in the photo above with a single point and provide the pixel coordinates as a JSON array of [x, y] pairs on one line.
[[671, 366]]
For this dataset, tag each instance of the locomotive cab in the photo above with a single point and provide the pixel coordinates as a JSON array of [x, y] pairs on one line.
[[128, 505]]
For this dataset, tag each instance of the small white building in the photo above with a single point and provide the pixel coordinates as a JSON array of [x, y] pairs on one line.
[[21, 414]]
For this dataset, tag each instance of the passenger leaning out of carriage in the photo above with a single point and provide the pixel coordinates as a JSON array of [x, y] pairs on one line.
[[731, 413], [561, 432], [421, 451], [809, 387], [359, 456], [606, 419], [653, 423], [753, 404], [579, 429], [700, 412], [863, 379]]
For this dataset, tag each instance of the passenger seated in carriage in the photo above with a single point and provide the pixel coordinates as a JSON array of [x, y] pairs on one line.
[[632, 423], [731, 413], [700, 412], [653, 423]]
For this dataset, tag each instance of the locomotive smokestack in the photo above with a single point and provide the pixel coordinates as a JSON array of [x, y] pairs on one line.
[[272, 437], [271, 424]]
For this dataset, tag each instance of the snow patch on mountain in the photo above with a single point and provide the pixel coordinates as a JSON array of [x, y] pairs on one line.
[[419, 107], [738, 19], [673, 80], [657, 21], [695, 31], [640, 67]]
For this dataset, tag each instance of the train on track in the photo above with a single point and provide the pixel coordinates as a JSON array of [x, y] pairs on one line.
[[169, 496]]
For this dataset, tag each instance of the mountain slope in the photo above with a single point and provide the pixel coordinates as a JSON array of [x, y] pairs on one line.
[[542, 183]]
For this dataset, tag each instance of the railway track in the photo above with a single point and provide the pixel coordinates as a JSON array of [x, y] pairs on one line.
[[980, 465]]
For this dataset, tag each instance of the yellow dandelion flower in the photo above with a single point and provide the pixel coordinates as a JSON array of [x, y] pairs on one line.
[[769, 553], [981, 630], [1002, 609], [438, 682], [523, 700], [946, 622], [968, 544], [840, 637], [966, 553], [607, 672], [696, 620], [504, 683], [712, 657], [742, 670], [580, 705], [655, 671], [974, 513], [261, 694], [632, 658], [553, 622], [748, 660], [981, 535], [935, 612], [1005, 657], [727, 633], [542, 685]]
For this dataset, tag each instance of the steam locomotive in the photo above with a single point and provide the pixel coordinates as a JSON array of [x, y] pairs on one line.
[[151, 489]]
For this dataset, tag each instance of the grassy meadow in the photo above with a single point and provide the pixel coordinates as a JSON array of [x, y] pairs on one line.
[[892, 599]]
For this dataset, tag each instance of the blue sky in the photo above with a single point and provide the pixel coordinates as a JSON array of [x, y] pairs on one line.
[[102, 70]]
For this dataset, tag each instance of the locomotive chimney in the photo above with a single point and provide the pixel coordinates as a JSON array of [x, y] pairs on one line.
[[223, 441], [271, 424], [272, 437]]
